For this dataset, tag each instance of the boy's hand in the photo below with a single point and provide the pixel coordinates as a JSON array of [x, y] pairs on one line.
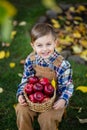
[[21, 100], [59, 104]]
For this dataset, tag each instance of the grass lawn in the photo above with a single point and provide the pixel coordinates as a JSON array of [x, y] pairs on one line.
[[29, 11]]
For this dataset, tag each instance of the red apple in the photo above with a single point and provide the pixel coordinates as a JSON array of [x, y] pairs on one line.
[[38, 96], [37, 87], [28, 88], [31, 98], [33, 79], [44, 81], [48, 90]]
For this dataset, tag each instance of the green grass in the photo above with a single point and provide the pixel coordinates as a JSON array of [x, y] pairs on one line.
[[9, 79]]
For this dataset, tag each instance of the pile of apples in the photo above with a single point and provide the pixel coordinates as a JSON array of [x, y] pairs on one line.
[[39, 90]]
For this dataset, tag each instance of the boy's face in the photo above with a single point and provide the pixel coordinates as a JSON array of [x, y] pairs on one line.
[[44, 46]]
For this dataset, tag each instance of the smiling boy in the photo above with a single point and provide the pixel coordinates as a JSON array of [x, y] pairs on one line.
[[45, 62]]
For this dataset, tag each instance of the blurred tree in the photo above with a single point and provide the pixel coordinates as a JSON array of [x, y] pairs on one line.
[[51, 4], [7, 12]]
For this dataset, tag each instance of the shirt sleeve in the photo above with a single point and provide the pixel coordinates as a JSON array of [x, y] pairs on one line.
[[28, 71], [65, 82]]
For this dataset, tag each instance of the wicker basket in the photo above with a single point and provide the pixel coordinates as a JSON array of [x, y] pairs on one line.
[[40, 107]]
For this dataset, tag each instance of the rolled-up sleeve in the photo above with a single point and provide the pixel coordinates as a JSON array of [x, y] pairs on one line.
[[28, 71], [65, 82]]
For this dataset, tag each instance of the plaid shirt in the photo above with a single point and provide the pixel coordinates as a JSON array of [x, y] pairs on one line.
[[64, 74]]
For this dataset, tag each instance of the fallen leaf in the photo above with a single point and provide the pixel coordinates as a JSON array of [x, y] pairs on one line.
[[14, 105], [20, 74], [56, 25], [77, 49], [82, 89], [54, 21], [13, 33], [23, 23], [78, 18], [82, 121], [1, 90], [12, 64], [72, 9], [15, 22], [2, 54], [83, 43], [59, 49], [76, 34], [80, 109], [84, 55], [68, 28], [7, 54], [81, 8], [22, 61], [5, 44], [65, 41]]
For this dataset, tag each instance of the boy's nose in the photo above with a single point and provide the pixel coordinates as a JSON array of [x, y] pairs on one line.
[[44, 48]]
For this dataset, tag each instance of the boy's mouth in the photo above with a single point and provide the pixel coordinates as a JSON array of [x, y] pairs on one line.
[[45, 53]]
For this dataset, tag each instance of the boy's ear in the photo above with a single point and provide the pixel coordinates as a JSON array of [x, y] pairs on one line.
[[32, 45], [56, 42]]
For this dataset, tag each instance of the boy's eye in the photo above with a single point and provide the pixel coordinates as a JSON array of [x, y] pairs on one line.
[[48, 44], [39, 45]]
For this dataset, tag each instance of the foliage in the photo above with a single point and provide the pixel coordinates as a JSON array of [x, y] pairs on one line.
[[7, 11]]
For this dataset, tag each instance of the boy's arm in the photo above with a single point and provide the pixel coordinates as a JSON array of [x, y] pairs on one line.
[[65, 83], [28, 71]]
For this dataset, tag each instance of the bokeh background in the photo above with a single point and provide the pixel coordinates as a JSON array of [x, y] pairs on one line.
[[69, 19]]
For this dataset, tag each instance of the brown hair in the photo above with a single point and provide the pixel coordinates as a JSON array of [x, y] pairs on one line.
[[41, 29]]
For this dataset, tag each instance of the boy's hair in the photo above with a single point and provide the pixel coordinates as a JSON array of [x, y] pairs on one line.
[[41, 29]]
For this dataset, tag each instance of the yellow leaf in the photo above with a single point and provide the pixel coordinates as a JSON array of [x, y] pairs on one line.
[[84, 55], [72, 9], [53, 82], [54, 21], [78, 18], [76, 34], [65, 41], [1, 90], [81, 8], [59, 49], [56, 25], [2, 54], [20, 74], [23, 23], [68, 28], [77, 49], [83, 43], [13, 33], [12, 65], [7, 54], [82, 89], [14, 105]]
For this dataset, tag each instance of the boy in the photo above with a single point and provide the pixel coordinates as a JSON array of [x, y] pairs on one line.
[[45, 62]]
